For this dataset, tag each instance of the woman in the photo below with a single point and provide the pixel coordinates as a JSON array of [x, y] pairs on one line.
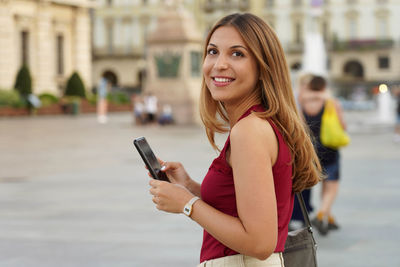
[[247, 195], [312, 102]]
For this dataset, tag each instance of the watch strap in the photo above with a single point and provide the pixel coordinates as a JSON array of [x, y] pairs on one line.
[[187, 210]]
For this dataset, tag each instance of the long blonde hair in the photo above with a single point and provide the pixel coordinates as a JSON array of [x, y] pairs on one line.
[[274, 91]]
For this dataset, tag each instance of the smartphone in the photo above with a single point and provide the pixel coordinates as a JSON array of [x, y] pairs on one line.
[[149, 159]]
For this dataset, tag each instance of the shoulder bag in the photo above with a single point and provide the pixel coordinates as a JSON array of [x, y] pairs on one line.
[[300, 246], [332, 134]]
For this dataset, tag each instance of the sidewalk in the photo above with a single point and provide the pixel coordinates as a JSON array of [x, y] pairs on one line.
[[75, 193]]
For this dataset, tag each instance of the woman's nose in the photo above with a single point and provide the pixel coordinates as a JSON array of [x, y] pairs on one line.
[[221, 63]]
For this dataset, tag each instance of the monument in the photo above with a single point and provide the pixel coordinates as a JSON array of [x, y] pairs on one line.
[[314, 57], [174, 56]]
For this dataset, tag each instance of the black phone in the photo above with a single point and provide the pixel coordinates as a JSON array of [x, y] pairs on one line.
[[149, 159]]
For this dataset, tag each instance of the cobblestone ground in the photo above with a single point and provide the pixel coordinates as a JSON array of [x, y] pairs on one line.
[[75, 193]]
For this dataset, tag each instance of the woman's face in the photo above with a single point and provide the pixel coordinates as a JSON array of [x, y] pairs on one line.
[[230, 69]]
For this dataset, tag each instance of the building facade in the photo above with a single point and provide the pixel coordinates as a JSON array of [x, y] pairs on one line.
[[361, 37], [51, 37]]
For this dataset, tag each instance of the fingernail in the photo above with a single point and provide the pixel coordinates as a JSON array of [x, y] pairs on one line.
[[163, 168]]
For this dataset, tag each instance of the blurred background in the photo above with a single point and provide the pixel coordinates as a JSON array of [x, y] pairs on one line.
[[53, 39], [73, 192]]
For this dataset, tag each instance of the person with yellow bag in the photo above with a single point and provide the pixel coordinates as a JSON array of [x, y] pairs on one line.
[[324, 116]]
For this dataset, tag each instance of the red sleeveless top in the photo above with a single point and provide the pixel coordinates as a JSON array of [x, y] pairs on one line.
[[218, 190]]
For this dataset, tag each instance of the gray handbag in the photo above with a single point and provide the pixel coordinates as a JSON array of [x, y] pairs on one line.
[[300, 246]]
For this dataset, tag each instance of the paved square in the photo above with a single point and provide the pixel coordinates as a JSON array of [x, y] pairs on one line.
[[75, 193]]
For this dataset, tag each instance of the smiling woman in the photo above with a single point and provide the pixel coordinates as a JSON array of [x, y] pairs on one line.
[[230, 69], [245, 201]]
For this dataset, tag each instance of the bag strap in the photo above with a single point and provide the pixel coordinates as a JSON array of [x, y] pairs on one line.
[[304, 210], [305, 215]]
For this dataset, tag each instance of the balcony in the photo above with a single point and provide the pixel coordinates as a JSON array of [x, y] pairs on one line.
[[295, 48], [213, 5], [361, 44]]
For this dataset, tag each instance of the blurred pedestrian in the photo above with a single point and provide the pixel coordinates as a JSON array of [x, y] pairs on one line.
[[297, 215], [312, 102], [247, 195], [151, 107], [397, 126], [102, 90], [166, 115], [138, 110]]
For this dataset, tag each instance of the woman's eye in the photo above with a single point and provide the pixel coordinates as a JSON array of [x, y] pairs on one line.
[[211, 51], [237, 54]]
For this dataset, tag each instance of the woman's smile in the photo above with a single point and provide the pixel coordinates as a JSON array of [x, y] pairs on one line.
[[221, 81]]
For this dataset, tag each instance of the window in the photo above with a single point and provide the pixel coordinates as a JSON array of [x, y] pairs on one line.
[[352, 28], [110, 34], [383, 62], [25, 48], [382, 28], [195, 62], [60, 54], [270, 3], [297, 33], [296, 3], [325, 31]]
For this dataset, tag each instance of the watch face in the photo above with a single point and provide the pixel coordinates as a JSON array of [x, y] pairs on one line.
[[186, 210]]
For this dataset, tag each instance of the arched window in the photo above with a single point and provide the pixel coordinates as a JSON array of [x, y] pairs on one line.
[[295, 66], [111, 77], [353, 69]]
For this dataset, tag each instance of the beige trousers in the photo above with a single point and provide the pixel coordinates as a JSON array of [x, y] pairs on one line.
[[275, 260]]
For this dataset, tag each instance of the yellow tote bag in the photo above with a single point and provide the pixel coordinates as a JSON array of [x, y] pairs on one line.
[[332, 134]]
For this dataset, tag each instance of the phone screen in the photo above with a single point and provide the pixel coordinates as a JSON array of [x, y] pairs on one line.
[[149, 159]]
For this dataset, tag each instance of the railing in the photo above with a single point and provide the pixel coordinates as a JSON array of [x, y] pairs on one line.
[[293, 47], [361, 44], [338, 46], [211, 6]]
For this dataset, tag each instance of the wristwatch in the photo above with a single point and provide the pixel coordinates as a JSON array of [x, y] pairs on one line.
[[187, 210]]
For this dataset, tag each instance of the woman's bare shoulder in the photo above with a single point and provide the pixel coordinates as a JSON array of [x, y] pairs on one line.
[[252, 126]]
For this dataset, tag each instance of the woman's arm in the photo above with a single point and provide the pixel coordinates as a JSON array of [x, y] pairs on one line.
[[254, 149]]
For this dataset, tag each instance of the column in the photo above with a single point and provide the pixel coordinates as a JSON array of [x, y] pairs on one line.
[[45, 55], [82, 47], [8, 67]]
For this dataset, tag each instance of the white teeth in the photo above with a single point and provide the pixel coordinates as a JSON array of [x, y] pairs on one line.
[[222, 80]]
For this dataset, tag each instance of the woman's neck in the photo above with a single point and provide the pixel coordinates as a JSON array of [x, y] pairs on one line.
[[234, 112]]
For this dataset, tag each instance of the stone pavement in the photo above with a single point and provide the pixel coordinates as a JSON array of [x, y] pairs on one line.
[[75, 193]]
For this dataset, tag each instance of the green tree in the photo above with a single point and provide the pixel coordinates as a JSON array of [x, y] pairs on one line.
[[23, 82], [75, 86]]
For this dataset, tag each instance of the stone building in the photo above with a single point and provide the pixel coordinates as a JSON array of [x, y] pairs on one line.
[[361, 36], [52, 37], [120, 29]]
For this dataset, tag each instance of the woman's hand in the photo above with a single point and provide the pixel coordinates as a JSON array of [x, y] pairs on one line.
[[169, 197], [176, 173]]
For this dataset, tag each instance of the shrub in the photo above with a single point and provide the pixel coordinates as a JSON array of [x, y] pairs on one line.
[[23, 81], [11, 98], [92, 99], [48, 99], [118, 98], [75, 86]]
